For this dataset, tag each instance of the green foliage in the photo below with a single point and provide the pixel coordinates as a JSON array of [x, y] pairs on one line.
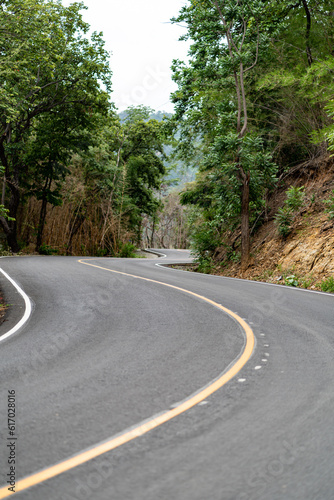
[[294, 198], [124, 170], [296, 81], [306, 282], [4, 213], [285, 215], [289, 277], [4, 251], [330, 205], [127, 250], [47, 250], [291, 280], [233, 255], [283, 220], [327, 285], [254, 99], [205, 264], [213, 109], [205, 238], [50, 88], [101, 252]]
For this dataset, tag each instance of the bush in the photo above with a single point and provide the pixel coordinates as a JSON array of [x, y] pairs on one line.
[[46, 250], [127, 250], [330, 209], [291, 280], [283, 220], [205, 264], [101, 252], [233, 255], [294, 198], [327, 285], [285, 215]]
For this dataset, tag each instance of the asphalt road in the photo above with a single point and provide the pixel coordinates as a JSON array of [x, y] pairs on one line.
[[104, 351]]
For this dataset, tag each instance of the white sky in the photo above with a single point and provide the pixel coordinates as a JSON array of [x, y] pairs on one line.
[[143, 43]]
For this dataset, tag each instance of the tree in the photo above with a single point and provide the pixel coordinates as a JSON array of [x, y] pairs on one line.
[[49, 68], [143, 160], [294, 80], [252, 95], [211, 103], [123, 171], [49, 148]]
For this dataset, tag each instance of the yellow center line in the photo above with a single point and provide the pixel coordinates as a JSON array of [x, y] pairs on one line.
[[154, 422]]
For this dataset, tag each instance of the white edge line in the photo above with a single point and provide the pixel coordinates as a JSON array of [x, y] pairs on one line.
[[28, 308], [155, 253], [167, 266]]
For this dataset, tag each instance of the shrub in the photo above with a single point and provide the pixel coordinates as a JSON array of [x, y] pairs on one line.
[[233, 255], [327, 285], [330, 204], [294, 198], [283, 220], [127, 250], [285, 215], [291, 280], [101, 252], [46, 250], [205, 264]]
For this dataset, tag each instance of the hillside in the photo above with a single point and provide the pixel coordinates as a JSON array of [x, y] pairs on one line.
[[308, 251]]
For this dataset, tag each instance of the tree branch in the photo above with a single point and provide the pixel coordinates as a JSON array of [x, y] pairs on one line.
[[244, 34], [257, 51], [244, 103], [308, 30]]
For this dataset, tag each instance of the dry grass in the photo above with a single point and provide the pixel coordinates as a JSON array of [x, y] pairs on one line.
[[75, 228], [3, 308]]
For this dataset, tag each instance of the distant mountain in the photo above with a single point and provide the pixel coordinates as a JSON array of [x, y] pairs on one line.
[[156, 115]]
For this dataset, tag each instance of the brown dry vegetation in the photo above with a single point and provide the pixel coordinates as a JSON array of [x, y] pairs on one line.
[[69, 231], [82, 225], [3, 308]]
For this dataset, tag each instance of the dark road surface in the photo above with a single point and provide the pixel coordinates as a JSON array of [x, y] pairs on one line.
[[103, 351]]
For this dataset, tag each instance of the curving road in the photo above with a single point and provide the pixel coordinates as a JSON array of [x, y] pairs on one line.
[[103, 352]]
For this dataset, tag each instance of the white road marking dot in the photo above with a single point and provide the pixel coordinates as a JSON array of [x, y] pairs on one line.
[[258, 367], [28, 308], [262, 334], [267, 354], [203, 403], [242, 380], [266, 345], [264, 360]]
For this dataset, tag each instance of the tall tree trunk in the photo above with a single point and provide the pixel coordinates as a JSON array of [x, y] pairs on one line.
[[153, 231], [10, 226], [308, 31], [76, 222], [245, 235], [12, 182], [42, 214], [41, 223]]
